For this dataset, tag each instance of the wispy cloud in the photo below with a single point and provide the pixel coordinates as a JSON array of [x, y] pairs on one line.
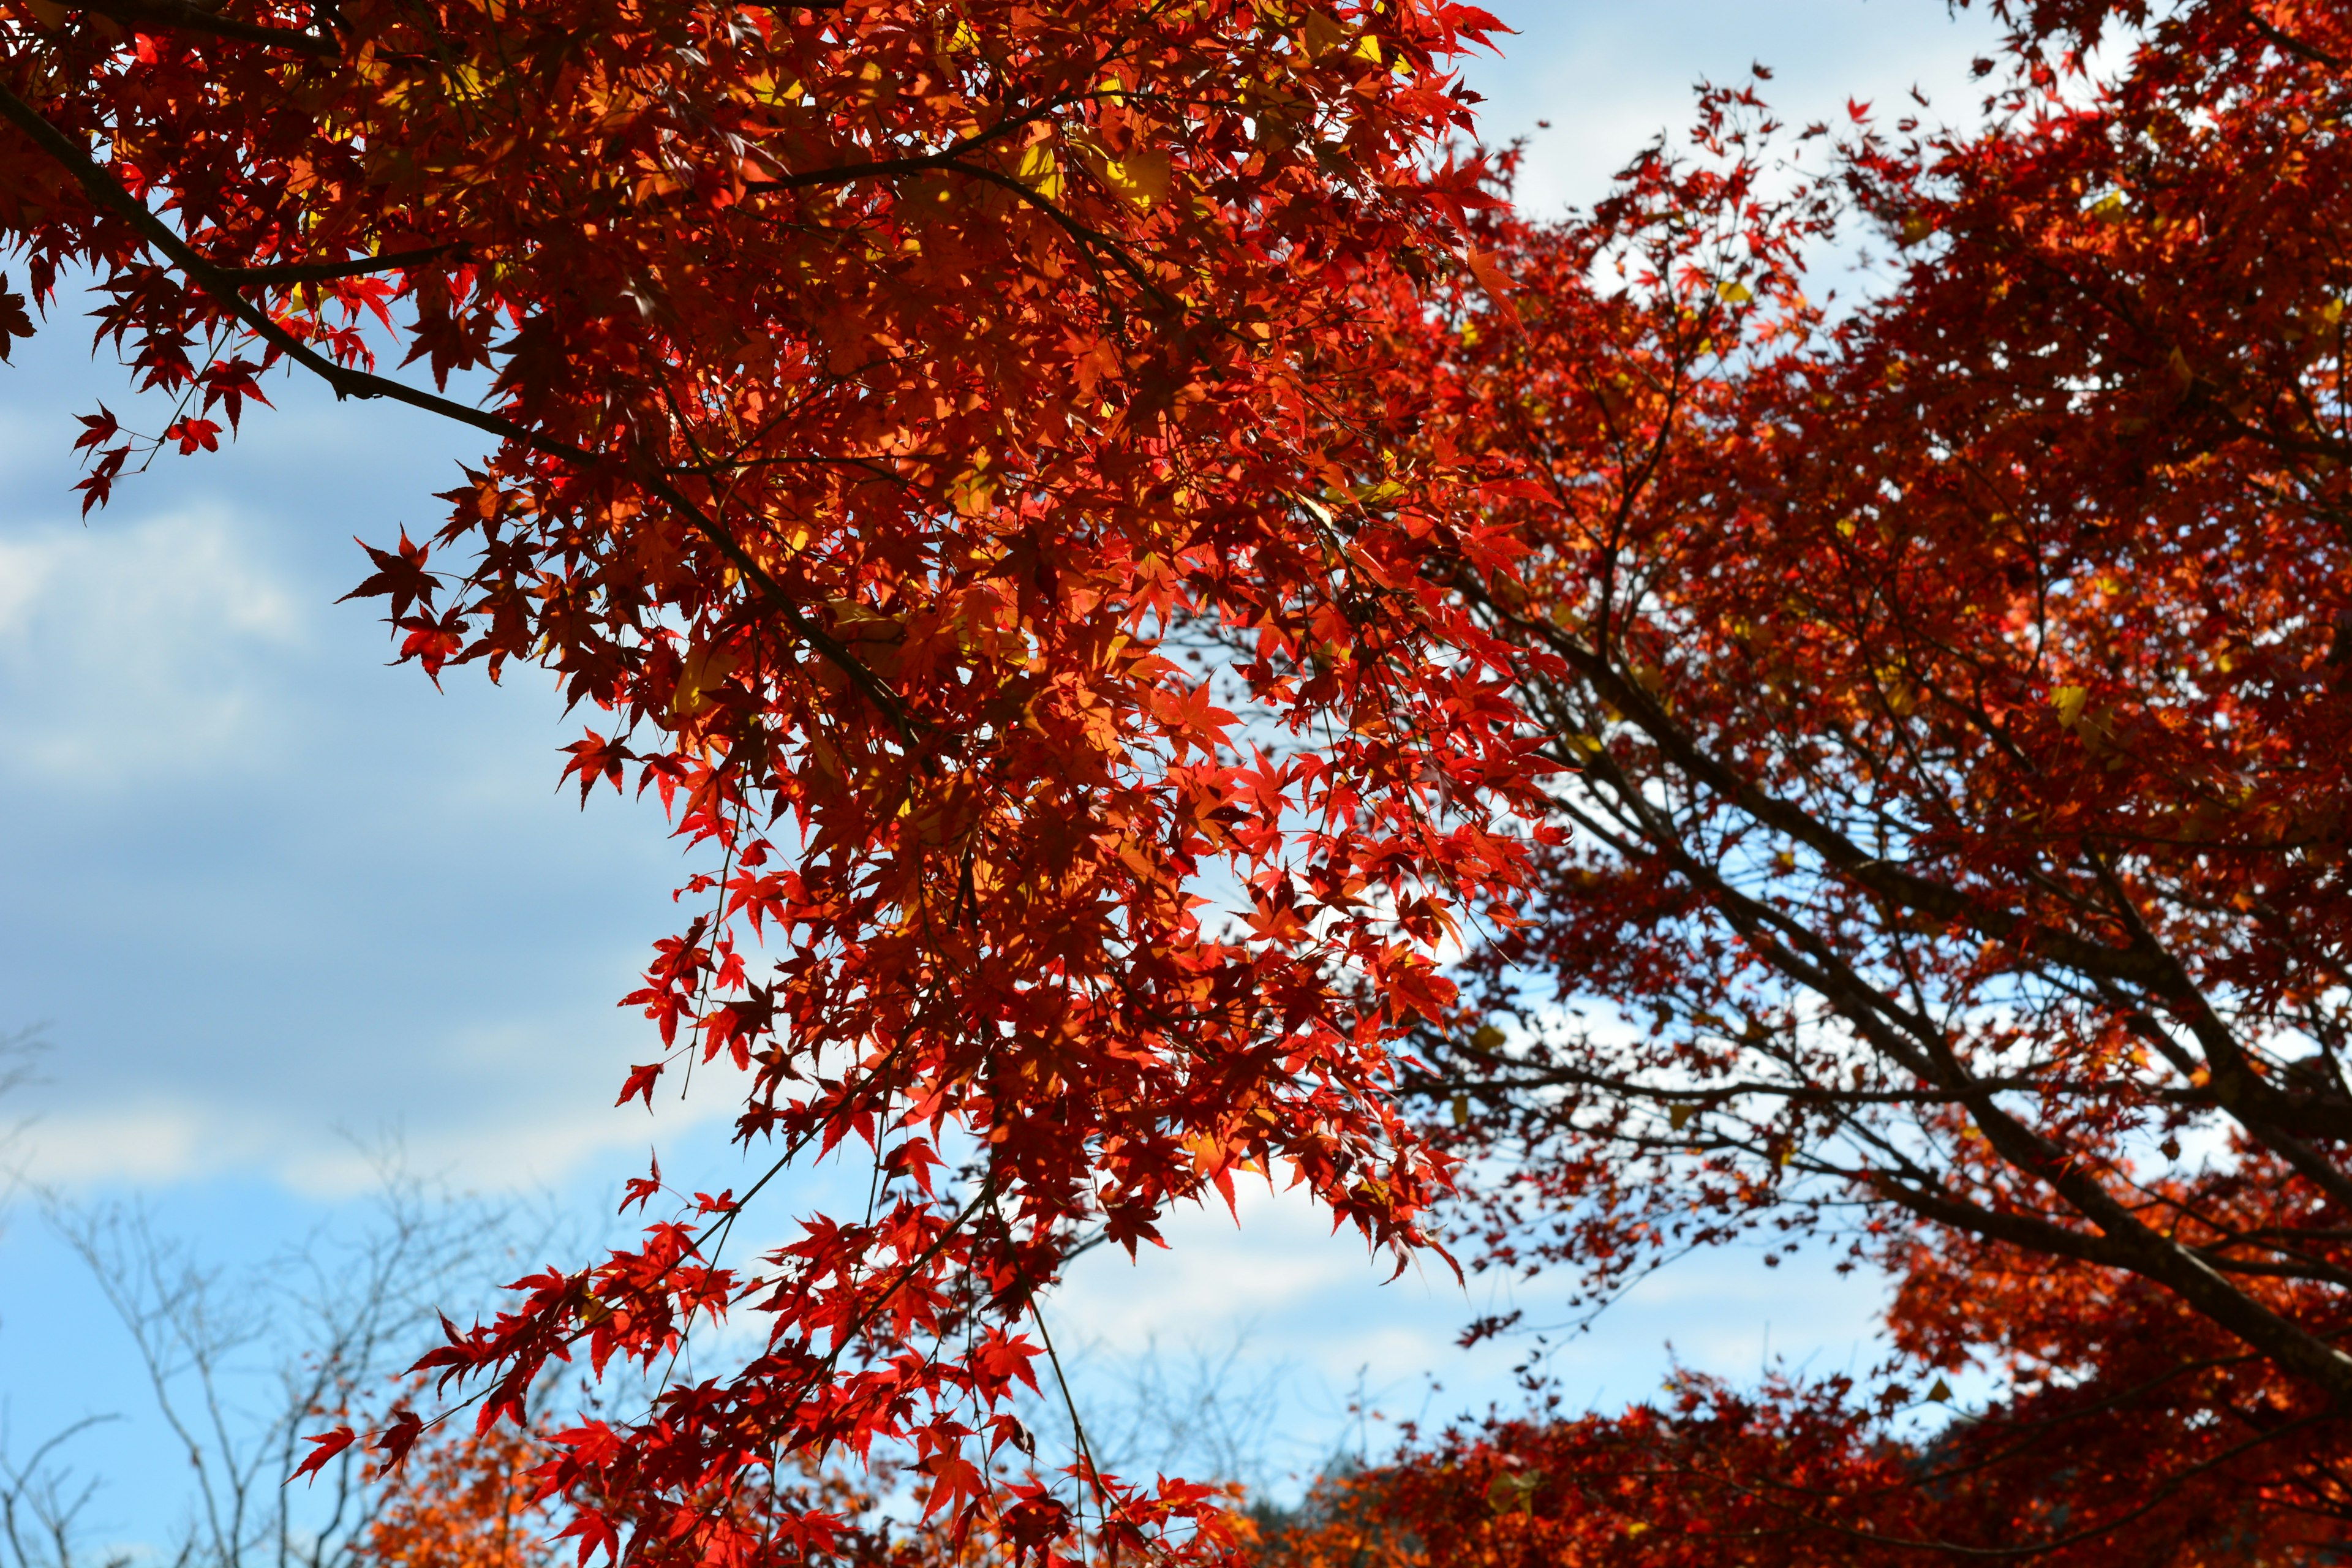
[[134, 655]]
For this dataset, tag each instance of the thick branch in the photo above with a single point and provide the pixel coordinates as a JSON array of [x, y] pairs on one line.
[[2287, 43], [2144, 965], [146, 15], [222, 286], [2124, 1241], [329, 271]]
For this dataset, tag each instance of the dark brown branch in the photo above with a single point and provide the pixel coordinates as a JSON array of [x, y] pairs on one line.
[[2123, 1240], [329, 271], [1804, 1094], [2287, 43], [349, 382], [107, 192], [2239, 1088], [147, 16]]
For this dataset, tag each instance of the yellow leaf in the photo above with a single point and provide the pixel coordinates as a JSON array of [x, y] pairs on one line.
[[1678, 1117], [1041, 172], [1461, 1110], [1321, 34], [1369, 48], [1942, 1393], [965, 39], [971, 493], [1507, 1493], [1140, 177], [1734, 294], [2069, 700]]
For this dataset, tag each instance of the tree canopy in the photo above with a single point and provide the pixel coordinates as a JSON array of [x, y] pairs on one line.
[[1955, 682], [869, 390], [1883, 760]]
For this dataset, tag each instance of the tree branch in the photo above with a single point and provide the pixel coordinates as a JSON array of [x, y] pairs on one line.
[[329, 271], [222, 286], [146, 15]]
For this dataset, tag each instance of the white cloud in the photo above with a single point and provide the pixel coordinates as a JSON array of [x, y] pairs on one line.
[[130, 654], [507, 1148], [514, 1107], [1297, 1313], [1302, 1321], [1215, 1272], [149, 1143]]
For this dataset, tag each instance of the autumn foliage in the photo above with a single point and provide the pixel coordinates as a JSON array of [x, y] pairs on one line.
[[468, 1498], [1886, 759], [870, 392], [464, 1500], [1957, 678]]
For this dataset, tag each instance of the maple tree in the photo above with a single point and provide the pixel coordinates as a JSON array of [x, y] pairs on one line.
[[464, 1498], [473, 1498], [1791, 1476], [1957, 684], [872, 389]]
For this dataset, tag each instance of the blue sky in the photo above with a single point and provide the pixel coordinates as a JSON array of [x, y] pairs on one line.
[[275, 902]]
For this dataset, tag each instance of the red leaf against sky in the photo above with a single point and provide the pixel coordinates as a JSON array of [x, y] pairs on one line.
[[886, 401], [1954, 683]]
